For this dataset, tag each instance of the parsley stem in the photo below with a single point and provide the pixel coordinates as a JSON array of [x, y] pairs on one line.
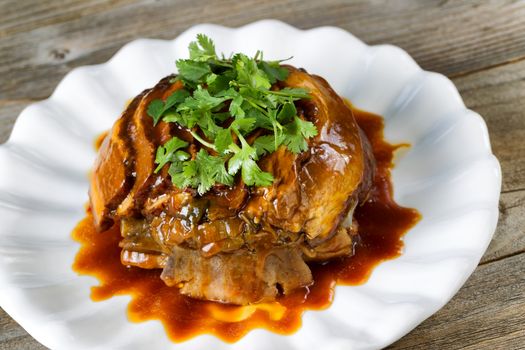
[[234, 148], [275, 134], [285, 94], [256, 106], [222, 63], [241, 138], [201, 140]]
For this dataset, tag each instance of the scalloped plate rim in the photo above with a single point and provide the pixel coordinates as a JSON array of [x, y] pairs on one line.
[[120, 54]]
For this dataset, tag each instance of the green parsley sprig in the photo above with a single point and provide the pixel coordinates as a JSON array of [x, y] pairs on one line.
[[222, 101]]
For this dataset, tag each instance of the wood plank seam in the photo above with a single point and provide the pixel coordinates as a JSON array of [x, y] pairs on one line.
[[487, 262], [512, 190], [489, 67]]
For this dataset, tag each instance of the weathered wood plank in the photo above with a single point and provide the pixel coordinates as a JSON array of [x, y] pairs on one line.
[[487, 313], [499, 96], [12, 336], [509, 238], [450, 37], [19, 16]]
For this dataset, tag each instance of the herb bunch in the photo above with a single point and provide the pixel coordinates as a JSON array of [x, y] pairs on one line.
[[222, 101]]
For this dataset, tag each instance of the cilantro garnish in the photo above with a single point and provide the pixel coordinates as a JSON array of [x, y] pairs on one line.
[[157, 108], [222, 102], [171, 152]]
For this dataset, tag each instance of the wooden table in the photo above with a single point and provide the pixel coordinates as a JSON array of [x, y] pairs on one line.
[[479, 45]]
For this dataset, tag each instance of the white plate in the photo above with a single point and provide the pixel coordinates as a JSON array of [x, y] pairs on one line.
[[449, 174]]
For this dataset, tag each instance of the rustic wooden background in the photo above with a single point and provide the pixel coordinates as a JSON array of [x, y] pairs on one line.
[[480, 45]]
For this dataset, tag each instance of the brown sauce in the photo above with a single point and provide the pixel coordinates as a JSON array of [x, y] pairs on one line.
[[99, 139], [382, 224]]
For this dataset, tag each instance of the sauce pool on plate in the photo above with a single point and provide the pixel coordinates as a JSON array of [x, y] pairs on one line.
[[382, 224]]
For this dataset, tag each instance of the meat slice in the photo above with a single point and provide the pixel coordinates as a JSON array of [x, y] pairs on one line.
[[336, 164], [314, 191], [123, 175], [340, 244], [241, 277], [112, 176], [145, 142]]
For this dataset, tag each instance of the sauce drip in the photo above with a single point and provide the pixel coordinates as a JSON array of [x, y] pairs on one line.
[[382, 224], [99, 139]]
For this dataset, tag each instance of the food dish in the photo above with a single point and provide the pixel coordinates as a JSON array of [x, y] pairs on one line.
[[390, 303], [249, 187], [233, 178]]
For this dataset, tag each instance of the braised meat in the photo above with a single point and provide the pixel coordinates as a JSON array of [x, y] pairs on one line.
[[238, 244]]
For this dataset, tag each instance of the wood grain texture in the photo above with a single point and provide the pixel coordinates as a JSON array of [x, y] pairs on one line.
[[38, 46], [12, 336], [499, 96], [509, 238], [487, 313], [480, 44]]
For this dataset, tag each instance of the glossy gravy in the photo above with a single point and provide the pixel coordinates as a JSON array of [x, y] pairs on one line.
[[382, 224]]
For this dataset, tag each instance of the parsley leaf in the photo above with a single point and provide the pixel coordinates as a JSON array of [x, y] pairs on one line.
[[175, 98], [252, 175], [249, 73], [169, 152], [274, 71], [295, 134], [296, 93], [261, 120], [201, 173], [287, 112], [155, 110], [224, 102], [223, 140], [207, 45], [203, 49], [201, 100], [157, 107], [308, 129], [245, 124], [264, 144], [221, 82], [192, 71], [185, 119], [244, 159], [235, 106]]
